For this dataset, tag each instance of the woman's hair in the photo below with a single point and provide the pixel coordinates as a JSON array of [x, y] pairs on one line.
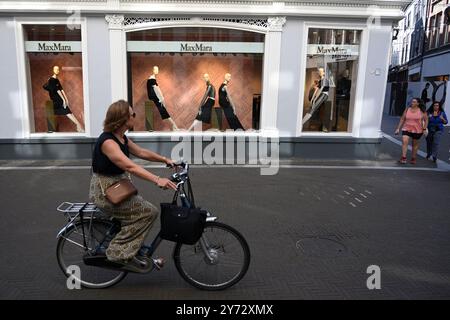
[[117, 115], [431, 108], [419, 101]]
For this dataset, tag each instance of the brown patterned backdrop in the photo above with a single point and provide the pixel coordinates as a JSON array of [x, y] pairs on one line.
[[71, 78], [181, 82]]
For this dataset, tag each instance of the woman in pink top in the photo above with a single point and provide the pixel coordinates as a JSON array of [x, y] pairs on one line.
[[413, 123]]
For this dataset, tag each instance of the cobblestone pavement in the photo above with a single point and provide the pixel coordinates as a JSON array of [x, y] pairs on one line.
[[313, 232]]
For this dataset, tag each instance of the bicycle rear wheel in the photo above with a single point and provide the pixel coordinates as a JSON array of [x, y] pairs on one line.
[[217, 261], [70, 251]]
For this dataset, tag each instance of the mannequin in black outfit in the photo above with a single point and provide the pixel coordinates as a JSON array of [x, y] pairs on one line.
[[155, 95], [228, 106], [318, 94], [59, 98], [343, 88], [208, 100]]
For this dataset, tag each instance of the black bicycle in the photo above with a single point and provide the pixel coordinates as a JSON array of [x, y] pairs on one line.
[[219, 260]]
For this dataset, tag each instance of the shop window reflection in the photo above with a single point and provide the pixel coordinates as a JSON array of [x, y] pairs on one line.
[[54, 65], [331, 75], [167, 71]]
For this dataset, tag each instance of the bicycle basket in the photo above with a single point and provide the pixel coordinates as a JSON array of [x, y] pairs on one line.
[[181, 224]]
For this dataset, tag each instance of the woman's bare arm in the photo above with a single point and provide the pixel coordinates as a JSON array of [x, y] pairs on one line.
[[112, 150], [402, 120], [146, 154]]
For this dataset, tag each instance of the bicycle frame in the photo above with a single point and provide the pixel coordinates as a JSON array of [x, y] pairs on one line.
[[185, 193]]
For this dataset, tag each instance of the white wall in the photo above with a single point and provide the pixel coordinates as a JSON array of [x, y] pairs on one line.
[[11, 125], [99, 72], [291, 57], [375, 84]]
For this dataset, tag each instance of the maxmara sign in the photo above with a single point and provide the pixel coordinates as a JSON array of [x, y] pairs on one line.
[[330, 49], [195, 47], [53, 46]]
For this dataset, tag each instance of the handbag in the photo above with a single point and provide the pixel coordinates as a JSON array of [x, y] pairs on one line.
[[119, 191], [182, 224]]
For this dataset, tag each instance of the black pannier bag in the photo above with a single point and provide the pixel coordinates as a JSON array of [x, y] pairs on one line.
[[181, 224]]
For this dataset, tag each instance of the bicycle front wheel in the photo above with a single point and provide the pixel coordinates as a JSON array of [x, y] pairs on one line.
[[217, 261], [80, 240]]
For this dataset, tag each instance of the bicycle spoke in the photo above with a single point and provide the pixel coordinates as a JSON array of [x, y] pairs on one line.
[[72, 252]]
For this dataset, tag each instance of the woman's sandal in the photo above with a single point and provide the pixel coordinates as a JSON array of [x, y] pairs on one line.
[[413, 161], [402, 160]]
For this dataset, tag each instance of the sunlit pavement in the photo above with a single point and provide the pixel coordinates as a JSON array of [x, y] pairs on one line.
[[313, 232]]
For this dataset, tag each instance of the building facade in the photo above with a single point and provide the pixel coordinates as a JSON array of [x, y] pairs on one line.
[[407, 49], [420, 65], [311, 73]]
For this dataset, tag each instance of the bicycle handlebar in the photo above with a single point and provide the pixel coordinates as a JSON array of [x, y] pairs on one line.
[[177, 176]]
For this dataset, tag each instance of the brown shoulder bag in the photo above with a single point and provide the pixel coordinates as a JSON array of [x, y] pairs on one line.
[[119, 191]]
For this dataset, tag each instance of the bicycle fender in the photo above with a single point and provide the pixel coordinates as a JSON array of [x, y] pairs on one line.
[[211, 219]]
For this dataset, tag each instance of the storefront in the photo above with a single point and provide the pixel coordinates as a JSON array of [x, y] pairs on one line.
[[311, 73]]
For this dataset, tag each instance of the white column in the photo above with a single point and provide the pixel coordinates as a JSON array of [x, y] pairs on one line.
[[272, 55], [118, 57]]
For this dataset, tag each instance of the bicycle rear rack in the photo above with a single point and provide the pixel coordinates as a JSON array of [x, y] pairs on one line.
[[72, 210], [69, 207]]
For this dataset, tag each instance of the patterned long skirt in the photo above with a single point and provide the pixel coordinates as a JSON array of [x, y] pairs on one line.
[[136, 216]]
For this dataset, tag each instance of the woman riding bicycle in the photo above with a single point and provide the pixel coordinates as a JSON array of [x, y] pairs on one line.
[[111, 163]]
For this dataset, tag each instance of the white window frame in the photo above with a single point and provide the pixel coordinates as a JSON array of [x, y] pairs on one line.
[[271, 66], [355, 110], [24, 83]]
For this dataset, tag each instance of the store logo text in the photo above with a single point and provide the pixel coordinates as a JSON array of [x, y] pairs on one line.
[[332, 50], [54, 47], [198, 47]]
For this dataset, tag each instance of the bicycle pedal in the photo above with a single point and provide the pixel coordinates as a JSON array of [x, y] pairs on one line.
[[158, 263], [138, 265]]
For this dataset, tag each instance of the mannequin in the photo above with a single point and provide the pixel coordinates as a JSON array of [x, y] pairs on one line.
[[59, 98], [155, 95], [343, 88], [319, 96], [227, 105], [207, 102]]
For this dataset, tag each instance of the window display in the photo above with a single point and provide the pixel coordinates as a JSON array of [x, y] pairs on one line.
[[331, 71], [188, 64], [53, 54]]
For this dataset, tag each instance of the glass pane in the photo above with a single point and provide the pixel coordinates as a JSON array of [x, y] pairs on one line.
[[54, 63], [179, 75]]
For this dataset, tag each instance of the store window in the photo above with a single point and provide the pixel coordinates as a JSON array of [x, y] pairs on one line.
[[195, 78], [331, 74], [55, 78]]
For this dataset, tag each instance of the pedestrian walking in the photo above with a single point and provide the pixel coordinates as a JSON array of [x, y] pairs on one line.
[[436, 121], [413, 124]]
